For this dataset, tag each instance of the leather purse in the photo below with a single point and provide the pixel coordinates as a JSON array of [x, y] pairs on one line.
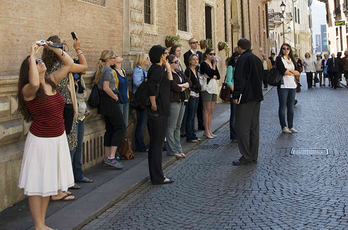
[[225, 92]]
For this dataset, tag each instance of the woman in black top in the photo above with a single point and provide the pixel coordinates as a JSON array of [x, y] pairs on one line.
[[159, 112], [191, 73], [209, 69]]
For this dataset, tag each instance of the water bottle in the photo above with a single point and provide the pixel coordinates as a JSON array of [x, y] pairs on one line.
[[218, 59]]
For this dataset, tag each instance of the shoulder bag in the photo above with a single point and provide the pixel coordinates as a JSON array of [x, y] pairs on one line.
[[225, 92]]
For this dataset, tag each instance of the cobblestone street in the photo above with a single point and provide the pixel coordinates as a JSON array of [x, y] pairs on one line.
[[282, 191]]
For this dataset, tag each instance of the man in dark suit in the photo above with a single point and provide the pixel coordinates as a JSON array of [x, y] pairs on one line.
[[247, 95], [194, 44]]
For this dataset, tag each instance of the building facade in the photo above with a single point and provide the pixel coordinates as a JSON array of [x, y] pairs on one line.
[[293, 26], [337, 28], [125, 26]]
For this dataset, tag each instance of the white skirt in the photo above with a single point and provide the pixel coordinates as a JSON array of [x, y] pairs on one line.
[[46, 166]]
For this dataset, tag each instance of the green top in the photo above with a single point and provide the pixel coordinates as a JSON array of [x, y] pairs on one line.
[[229, 75]]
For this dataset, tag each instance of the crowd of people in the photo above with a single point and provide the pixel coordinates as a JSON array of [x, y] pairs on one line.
[[52, 94]]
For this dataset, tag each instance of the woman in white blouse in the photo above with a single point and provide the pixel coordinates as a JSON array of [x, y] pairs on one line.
[[287, 67], [309, 65]]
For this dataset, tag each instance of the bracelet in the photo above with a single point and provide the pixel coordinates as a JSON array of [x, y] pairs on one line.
[[79, 53]]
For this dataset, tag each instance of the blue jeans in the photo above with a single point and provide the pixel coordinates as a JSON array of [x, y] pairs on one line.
[[233, 135], [190, 119], [140, 130], [177, 110], [125, 111], [77, 152], [286, 101]]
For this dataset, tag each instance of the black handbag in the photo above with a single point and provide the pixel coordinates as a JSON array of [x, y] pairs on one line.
[[225, 92], [274, 78], [93, 99]]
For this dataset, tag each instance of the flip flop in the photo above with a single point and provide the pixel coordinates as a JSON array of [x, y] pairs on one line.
[[75, 186], [183, 155], [64, 198], [86, 180], [178, 155]]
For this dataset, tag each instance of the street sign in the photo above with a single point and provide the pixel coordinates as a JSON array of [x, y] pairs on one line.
[[340, 23]]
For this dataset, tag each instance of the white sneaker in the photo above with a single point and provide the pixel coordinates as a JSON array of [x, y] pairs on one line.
[[293, 130], [286, 130]]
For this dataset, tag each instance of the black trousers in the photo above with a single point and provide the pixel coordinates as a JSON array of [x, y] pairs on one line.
[[247, 129], [265, 78], [158, 125], [200, 112], [115, 129], [309, 79], [334, 79]]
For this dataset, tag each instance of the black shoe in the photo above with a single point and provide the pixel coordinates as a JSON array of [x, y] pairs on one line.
[[166, 181], [295, 102], [242, 161]]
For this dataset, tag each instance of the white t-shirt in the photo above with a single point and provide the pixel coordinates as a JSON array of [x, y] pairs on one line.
[[289, 80]]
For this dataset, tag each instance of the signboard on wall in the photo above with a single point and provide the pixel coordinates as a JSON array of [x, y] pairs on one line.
[[340, 23]]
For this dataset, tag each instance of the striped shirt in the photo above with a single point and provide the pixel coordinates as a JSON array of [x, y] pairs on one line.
[[47, 115]]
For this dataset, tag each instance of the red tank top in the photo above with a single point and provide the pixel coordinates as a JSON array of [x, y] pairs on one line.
[[47, 115]]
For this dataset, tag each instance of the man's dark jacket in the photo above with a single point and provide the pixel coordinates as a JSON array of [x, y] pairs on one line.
[[248, 78], [187, 57]]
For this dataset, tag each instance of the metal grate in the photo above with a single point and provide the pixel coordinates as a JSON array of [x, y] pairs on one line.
[[309, 152]]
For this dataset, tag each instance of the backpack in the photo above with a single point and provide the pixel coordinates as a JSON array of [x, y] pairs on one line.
[[141, 99], [274, 77]]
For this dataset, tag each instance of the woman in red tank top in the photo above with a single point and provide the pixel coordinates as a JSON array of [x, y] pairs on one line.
[[46, 165]]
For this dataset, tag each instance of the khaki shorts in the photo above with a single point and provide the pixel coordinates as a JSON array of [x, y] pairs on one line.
[[208, 97]]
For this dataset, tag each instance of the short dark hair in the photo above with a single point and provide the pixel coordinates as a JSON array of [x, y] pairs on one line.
[[155, 53], [272, 53], [244, 43]]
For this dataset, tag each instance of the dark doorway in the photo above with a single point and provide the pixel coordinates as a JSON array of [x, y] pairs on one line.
[[208, 25]]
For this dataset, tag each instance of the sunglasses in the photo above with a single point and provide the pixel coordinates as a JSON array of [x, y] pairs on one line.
[[286, 48], [193, 42], [176, 62], [38, 60], [212, 54]]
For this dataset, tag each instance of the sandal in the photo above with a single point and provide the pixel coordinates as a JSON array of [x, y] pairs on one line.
[[183, 155], [179, 155], [75, 186], [67, 192], [64, 198], [85, 180]]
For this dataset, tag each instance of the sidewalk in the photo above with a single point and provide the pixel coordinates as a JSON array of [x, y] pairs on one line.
[[109, 187]]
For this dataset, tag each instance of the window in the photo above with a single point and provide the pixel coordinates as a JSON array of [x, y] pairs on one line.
[[295, 15], [298, 16], [182, 16], [147, 11]]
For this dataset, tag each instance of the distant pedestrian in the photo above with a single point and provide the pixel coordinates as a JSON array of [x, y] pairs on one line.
[[230, 82], [159, 111], [340, 69], [247, 95], [325, 73], [267, 66], [309, 65], [287, 66], [333, 69], [345, 65], [271, 58], [319, 69]]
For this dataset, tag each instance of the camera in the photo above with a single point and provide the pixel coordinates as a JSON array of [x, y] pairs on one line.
[[41, 42]]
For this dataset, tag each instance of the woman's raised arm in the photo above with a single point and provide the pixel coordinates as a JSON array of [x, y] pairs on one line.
[[58, 75]]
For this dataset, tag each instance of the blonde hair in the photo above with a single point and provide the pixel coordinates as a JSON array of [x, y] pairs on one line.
[[139, 59], [105, 55]]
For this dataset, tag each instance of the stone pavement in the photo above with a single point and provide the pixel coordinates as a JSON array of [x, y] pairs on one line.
[[282, 191], [109, 186]]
